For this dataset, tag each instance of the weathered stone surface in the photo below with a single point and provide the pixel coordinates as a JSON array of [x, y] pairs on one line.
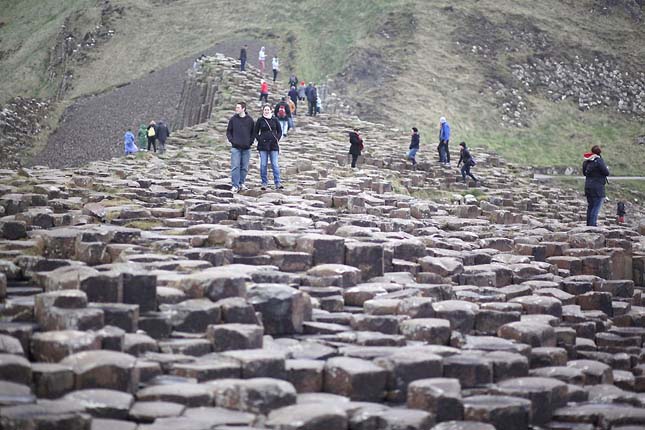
[[305, 375], [101, 403], [404, 368], [46, 414], [255, 395], [355, 378], [283, 308], [226, 337], [190, 395], [53, 346], [504, 412], [440, 396], [431, 330], [103, 369], [15, 368], [307, 417], [52, 381], [147, 412]]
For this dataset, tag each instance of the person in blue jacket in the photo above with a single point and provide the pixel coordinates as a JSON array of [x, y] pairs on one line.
[[414, 146], [444, 140], [128, 140], [596, 172]]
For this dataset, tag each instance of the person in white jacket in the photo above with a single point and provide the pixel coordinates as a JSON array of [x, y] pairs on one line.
[[275, 64], [261, 59]]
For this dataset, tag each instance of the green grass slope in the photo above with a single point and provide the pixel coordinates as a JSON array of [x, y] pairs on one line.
[[401, 62]]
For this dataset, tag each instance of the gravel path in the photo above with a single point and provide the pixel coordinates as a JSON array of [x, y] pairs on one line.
[[93, 127]]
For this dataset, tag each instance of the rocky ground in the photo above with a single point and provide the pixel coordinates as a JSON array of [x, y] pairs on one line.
[[140, 293]]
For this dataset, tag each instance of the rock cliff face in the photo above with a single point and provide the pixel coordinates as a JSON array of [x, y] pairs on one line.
[[21, 122], [141, 291]]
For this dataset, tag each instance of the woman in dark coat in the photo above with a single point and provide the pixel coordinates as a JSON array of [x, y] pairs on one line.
[[268, 133], [467, 159], [596, 172], [355, 145]]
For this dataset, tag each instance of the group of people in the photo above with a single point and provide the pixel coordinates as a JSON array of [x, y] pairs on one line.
[[147, 135], [262, 56], [242, 131]]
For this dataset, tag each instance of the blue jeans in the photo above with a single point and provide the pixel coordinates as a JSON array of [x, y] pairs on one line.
[[239, 165], [291, 124], [412, 154], [443, 153], [593, 209], [264, 158], [465, 171], [284, 125]]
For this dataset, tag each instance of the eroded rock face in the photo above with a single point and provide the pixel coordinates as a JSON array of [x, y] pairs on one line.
[[147, 293]]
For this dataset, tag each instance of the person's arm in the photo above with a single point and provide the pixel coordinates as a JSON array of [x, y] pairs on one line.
[[256, 131], [229, 131], [278, 129], [603, 167]]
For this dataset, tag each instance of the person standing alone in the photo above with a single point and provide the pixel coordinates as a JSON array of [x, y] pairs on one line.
[[355, 146], [444, 140], [243, 58], [240, 134], [596, 172], [261, 59], [275, 65]]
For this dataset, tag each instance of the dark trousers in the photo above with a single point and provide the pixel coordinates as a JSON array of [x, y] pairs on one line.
[[264, 96], [593, 209], [275, 74], [465, 171], [312, 107], [151, 141], [242, 65], [354, 159]]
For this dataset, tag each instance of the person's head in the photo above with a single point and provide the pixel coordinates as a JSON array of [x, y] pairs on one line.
[[596, 149], [355, 129], [415, 130], [302, 82], [462, 144], [267, 111], [246, 46], [262, 48], [152, 122], [283, 99], [240, 108], [130, 129], [442, 120]]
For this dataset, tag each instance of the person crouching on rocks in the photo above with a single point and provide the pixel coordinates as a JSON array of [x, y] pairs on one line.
[[268, 133], [596, 172], [355, 146], [468, 160]]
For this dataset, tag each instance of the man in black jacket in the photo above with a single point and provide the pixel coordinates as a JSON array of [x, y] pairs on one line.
[[312, 98], [240, 133], [243, 58], [596, 172], [162, 135]]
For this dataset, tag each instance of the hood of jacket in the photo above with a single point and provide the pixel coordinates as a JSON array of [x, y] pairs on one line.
[[590, 156]]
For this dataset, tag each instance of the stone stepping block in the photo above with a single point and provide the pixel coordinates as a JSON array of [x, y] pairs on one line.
[[391, 418], [308, 416], [595, 372], [103, 369], [207, 368], [581, 284], [548, 356], [569, 375], [461, 314], [290, 261], [147, 412], [324, 249], [259, 363], [216, 283], [508, 364], [602, 415], [504, 412], [463, 425], [305, 375], [556, 293], [283, 308], [51, 381], [73, 319], [53, 346], [381, 306], [10, 345], [12, 393], [342, 275], [237, 310], [139, 344], [101, 403], [64, 299], [169, 296], [386, 324], [226, 337], [470, 370], [545, 394], [121, 315], [533, 334], [255, 395], [416, 307], [190, 395], [194, 347], [404, 368], [107, 424], [445, 267], [355, 378], [46, 414], [488, 321], [15, 368], [540, 305], [439, 396], [192, 316], [596, 301], [430, 330], [368, 257], [216, 416]]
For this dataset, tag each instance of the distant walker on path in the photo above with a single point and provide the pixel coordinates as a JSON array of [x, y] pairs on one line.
[[243, 58], [468, 160], [414, 146], [596, 172], [355, 145]]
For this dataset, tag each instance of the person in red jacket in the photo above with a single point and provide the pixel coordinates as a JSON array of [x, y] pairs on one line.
[[264, 91]]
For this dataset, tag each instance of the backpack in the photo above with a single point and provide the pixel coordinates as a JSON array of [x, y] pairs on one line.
[[151, 132], [282, 112], [473, 162]]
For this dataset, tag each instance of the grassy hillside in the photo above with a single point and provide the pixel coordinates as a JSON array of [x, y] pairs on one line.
[[402, 62]]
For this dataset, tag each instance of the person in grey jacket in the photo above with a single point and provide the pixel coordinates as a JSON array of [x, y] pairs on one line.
[[596, 172], [162, 134]]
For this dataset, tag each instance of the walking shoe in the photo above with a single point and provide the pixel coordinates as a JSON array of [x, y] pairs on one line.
[[263, 187], [279, 187], [243, 187], [234, 189]]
